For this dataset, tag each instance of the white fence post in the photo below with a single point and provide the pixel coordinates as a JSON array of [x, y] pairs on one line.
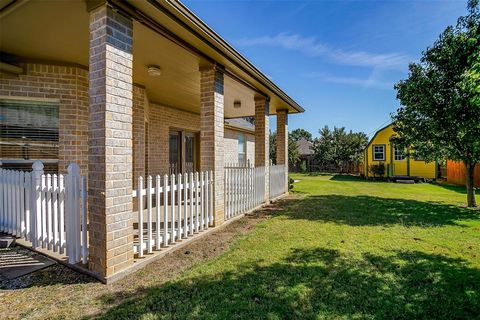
[[84, 221], [72, 218], [140, 216], [36, 217]]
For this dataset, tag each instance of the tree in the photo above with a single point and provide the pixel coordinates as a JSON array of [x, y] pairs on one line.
[[293, 154], [339, 148], [300, 133], [273, 147], [439, 116]]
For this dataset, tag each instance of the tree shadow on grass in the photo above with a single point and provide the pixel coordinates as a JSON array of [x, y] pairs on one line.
[[317, 283], [373, 211], [458, 189]]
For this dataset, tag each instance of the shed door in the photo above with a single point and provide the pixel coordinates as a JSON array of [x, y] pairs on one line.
[[400, 166]]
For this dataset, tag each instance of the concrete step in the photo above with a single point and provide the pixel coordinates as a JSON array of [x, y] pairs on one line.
[[406, 181]]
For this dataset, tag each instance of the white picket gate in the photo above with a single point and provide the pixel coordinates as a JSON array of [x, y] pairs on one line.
[[277, 181], [172, 208], [244, 189], [47, 210]]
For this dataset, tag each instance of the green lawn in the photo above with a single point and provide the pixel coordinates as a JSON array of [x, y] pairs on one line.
[[338, 248], [341, 248]]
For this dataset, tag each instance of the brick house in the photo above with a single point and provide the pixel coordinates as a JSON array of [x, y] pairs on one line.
[[127, 89]]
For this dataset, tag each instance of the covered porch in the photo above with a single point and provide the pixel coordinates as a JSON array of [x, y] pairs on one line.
[[138, 95]]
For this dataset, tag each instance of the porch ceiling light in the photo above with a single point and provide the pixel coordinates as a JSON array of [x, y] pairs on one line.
[[154, 71], [237, 104]]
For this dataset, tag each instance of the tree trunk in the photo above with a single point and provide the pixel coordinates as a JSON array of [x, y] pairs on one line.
[[470, 170]]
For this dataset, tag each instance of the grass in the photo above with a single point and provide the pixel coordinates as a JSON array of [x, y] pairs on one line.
[[339, 248]]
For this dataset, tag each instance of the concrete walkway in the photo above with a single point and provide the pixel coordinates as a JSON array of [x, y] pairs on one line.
[[16, 262]]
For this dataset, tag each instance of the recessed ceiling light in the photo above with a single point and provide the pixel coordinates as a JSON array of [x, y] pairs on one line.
[[154, 71]]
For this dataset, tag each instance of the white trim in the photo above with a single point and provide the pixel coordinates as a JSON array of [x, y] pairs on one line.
[[374, 152]]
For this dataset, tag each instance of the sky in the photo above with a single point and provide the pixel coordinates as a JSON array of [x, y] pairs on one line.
[[338, 59]]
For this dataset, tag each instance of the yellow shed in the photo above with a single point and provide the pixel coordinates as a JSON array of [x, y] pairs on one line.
[[381, 149]]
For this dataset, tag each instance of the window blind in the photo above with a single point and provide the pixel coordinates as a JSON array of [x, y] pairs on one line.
[[28, 132]]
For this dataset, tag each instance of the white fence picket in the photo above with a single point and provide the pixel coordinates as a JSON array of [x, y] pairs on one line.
[[245, 187], [149, 215], [140, 217], [277, 179], [33, 206], [187, 201], [158, 217]]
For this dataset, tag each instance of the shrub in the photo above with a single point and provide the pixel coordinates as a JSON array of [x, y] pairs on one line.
[[303, 167], [377, 169]]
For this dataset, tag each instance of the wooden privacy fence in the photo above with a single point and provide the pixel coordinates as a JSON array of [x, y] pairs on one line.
[[49, 211], [244, 189], [172, 208], [277, 181], [456, 173]]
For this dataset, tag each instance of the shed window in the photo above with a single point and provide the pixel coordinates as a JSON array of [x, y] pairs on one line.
[[28, 132], [379, 152], [241, 149], [399, 154]]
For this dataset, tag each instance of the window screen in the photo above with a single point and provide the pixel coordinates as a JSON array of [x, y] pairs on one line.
[[28, 132]]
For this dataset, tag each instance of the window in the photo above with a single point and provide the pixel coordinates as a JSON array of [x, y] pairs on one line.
[[28, 132], [399, 154], [379, 152], [174, 152], [241, 149], [189, 152], [182, 152]]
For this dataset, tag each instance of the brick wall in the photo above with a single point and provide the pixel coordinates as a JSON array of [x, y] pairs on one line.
[[212, 134], [231, 146], [162, 119], [262, 139], [282, 137], [68, 85], [110, 142], [282, 142], [139, 127]]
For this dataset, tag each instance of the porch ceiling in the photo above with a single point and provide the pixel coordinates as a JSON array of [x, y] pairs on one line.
[[58, 31]]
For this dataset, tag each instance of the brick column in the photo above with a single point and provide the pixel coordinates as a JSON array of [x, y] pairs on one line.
[[211, 134], [139, 144], [282, 142], [110, 142], [262, 139]]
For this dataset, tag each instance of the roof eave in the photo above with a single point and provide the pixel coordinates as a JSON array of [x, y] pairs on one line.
[[230, 53]]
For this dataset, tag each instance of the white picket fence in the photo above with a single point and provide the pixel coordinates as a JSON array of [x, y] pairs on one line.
[[47, 210], [277, 180], [244, 189], [172, 208]]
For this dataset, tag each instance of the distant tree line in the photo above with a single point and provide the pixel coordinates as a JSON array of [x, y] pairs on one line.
[[336, 150]]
